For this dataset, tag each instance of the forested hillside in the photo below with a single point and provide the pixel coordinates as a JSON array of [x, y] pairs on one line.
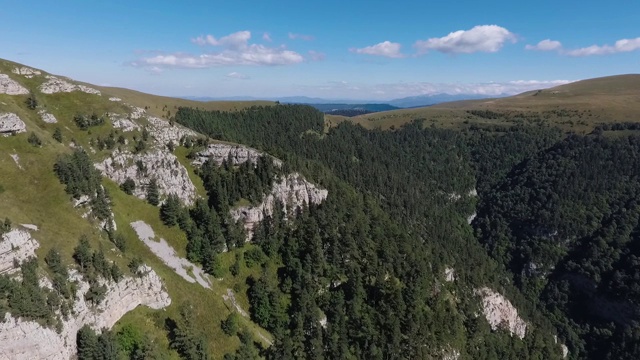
[[261, 232], [557, 213]]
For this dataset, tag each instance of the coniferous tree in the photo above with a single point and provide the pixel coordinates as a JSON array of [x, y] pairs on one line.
[[170, 210], [153, 194], [57, 135]]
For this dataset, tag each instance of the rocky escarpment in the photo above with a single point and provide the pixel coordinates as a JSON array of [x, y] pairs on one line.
[[164, 132], [292, 191], [21, 339], [500, 313], [10, 124], [172, 177], [238, 154], [11, 87], [16, 245], [57, 85]]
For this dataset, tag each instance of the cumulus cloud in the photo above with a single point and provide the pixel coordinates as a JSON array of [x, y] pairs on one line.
[[545, 45], [237, 75], [620, 46], [386, 48], [481, 38], [235, 49], [266, 37], [294, 36]]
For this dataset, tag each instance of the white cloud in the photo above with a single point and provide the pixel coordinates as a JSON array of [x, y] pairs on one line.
[[235, 50], [386, 48], [294, 36], [482, 38], [316, 56], [620, 46], [266, 37], [546, 45], [237, 75]]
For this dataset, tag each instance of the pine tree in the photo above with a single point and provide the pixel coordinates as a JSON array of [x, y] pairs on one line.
[[170, 210], [128, 186], [153, 194], [87, 343], [57, 135]]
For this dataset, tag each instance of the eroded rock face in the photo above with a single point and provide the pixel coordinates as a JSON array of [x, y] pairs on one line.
[[172, 177], [449, 274], [164, 132], [26, 72], [16, 244], [220, 152], [57, 85], [501, 313], [10, 123], [21, 339], [11, 87], [292, 191]]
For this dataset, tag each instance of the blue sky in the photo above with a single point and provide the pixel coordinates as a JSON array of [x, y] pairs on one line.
[[333, 49]]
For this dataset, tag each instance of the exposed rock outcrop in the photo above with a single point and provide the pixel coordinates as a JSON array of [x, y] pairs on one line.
[[21, 339], [292, 191], [10, 124], [164, 132], [46, 117], [500, 313], [123, 123], [449, 274], [116, 99], [11, 87], [56, 85], [183, 267], [172, 177], [16, 244], [26, 72], [237, 153]]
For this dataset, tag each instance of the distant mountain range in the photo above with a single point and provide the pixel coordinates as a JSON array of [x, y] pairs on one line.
[[330, 105]]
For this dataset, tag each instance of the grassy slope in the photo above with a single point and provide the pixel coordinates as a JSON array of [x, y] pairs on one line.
[[35, 196], [577, 107]]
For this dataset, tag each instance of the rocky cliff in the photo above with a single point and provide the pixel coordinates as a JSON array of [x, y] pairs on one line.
[[292, 191], [172, 177], [500, 313], [20, 339]]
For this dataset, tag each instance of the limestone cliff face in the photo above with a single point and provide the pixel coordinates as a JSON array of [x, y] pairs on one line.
[[16, 244], [10, 123], [501, 313], [237, 153], [11, 87], [21, 339], [292, 191], [172, 177]]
